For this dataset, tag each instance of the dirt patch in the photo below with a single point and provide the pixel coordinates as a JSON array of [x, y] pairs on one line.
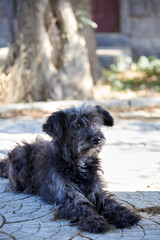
[[150, 210], [104, 92], [24, 112]]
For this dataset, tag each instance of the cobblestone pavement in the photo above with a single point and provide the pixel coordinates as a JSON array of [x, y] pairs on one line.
[[131, 163]]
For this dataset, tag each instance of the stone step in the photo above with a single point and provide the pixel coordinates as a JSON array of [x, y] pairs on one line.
[[111, 40], [107, 55], [111, 46]]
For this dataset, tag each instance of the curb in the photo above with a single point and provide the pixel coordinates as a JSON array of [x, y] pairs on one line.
[[114, 104]]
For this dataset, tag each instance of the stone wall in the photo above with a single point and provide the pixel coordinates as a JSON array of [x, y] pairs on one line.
[[140, 21], [8, 23], [4, 24]]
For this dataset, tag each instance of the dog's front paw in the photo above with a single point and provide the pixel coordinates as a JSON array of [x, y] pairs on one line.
[[93, 224], [127, 219]]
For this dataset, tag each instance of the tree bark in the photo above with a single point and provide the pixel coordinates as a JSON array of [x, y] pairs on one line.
[[89, 34], [49, 59]]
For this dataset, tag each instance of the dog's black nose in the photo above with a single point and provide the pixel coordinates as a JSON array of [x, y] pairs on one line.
[[95, 140]]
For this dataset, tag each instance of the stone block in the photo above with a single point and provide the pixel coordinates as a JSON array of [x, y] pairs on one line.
[[111, 40], [124, 8], [3, 42], [156, 27], [3, 8], [156, 7], [124, 17], [140, 8], [140, 43], [147, 27], [4, 29], [126, 26], [156, 43]]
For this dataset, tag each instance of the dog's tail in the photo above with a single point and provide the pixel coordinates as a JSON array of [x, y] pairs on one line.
[[3, 172]]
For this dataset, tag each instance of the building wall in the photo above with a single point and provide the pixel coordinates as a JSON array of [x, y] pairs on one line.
[[4, 23], [140, 21]]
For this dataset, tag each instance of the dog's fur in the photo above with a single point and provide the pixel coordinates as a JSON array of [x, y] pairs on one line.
[[66, 170]]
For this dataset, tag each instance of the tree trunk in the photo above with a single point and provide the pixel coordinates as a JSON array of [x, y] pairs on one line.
[[49, 59], [89, 33]]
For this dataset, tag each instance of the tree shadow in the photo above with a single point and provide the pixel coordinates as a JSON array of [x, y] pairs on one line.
[[9, 126]]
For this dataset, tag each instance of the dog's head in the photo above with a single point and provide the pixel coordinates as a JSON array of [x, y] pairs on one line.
[[79, 128]]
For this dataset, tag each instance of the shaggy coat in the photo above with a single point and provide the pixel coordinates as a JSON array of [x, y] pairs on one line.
[[67, 169]]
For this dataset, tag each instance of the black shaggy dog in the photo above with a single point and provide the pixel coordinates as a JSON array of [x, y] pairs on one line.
[[66, 170]]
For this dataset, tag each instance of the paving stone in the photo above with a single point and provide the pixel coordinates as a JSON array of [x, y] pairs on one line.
[[128, 233], [132, 238], [154, 237]]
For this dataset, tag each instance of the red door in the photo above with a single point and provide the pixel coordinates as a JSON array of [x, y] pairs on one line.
[[106, 15]]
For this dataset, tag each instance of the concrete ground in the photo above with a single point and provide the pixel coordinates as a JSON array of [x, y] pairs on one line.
[[131, 164]]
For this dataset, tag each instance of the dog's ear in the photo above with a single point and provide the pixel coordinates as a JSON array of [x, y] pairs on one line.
[[56, 125], [107, 118]]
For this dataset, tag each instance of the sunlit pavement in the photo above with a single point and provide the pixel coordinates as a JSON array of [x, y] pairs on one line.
[[131, 159], [131, 164]]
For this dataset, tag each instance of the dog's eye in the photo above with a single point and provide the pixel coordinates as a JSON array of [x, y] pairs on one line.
[[94, 123], [78, 125]]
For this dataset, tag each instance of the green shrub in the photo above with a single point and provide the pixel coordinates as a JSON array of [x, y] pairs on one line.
[[124, 74]]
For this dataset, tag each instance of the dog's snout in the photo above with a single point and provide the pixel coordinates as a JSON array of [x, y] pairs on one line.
[[95, 140]]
